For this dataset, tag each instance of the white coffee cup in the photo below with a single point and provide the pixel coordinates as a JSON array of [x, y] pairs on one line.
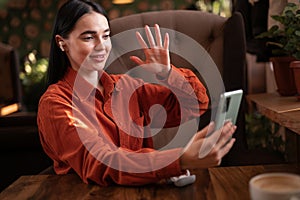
[[275, 186]]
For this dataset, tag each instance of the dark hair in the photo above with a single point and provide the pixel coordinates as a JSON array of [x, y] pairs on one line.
[[65, 21]]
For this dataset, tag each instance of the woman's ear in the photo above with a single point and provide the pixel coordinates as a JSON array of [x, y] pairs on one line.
[[60, 42], [61, 46]]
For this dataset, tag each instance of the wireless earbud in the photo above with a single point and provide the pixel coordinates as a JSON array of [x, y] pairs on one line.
[[183, 180], [61, 45]]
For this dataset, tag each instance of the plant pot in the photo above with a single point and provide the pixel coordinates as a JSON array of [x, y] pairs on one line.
[[295, 66], [32, 96], [284, 76]]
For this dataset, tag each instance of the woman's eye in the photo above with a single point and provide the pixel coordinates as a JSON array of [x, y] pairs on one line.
[[88, 38], [106, 37]]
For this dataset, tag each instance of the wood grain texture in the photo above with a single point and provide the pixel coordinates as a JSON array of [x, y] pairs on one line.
[[237, 181], [212, 184], [283, 110]]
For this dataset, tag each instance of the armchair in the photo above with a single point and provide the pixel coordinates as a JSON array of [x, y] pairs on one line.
[[10, 87], [223, 39]]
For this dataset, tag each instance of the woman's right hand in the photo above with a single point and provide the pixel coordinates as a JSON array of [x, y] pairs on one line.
[[157, 58], [214, 147]]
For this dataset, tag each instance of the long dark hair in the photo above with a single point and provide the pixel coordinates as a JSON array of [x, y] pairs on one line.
[[65, 21]]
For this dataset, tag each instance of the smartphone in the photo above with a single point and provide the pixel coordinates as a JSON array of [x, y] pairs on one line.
[[228, 108]]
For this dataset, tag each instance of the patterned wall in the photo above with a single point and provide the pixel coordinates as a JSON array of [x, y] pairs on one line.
[[27, 24]]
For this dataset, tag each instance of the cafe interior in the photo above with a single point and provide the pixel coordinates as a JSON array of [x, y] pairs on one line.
[[233, 36]]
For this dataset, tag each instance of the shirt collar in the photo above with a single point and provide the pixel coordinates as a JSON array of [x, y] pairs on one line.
[[83, 89]]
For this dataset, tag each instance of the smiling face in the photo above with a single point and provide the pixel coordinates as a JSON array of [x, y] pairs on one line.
[[88, 45]]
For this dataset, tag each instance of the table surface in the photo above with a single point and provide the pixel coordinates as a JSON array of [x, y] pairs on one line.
[[283, 110], [214, 183]]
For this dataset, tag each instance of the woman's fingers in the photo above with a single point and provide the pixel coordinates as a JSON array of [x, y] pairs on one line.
[[197, 139], [215, 141], [141, 41], [226, 134], [207, 148], [149, 37], [154, 53], [167, 41], [205, 131], [158, 36], [226, 148], [137, 60]]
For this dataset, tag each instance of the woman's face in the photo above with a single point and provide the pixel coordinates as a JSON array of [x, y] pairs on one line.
[[88, 45]]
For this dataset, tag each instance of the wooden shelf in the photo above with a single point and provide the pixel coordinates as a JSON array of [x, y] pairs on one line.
[[282, 110]]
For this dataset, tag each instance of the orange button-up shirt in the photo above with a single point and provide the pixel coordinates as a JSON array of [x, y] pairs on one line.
[[106, 137]]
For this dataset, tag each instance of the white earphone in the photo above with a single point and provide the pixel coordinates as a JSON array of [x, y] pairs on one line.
[[61, 45]]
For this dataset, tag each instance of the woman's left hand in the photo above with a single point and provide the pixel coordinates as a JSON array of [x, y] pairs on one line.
[[157, 54]]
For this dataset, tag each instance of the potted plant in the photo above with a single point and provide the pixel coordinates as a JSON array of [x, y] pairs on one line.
[[33, 80], [283, 42], [295, 66]]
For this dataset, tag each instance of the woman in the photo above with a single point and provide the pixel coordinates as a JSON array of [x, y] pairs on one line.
[[82, 115]]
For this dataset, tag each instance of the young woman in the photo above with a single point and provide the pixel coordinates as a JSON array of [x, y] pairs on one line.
[[89, 122]]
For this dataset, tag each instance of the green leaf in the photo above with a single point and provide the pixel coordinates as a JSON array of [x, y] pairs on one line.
[[289, 13], [275, 44], [278, 18], [297, 55], [290, 31], [284, 40]]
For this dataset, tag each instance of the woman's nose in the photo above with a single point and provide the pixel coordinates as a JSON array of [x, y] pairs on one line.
[[99, 44]]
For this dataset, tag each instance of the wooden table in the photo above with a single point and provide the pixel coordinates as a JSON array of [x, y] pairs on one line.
[[282, 110], [214, 183]]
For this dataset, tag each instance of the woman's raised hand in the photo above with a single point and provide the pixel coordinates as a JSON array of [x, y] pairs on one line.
[[157, 53]]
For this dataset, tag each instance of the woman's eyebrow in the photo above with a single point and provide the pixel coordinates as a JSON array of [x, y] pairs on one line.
[[88, 32], [94, 32], [107, 31]]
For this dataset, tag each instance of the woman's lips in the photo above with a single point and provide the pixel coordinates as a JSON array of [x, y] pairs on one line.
[[98, 58]]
